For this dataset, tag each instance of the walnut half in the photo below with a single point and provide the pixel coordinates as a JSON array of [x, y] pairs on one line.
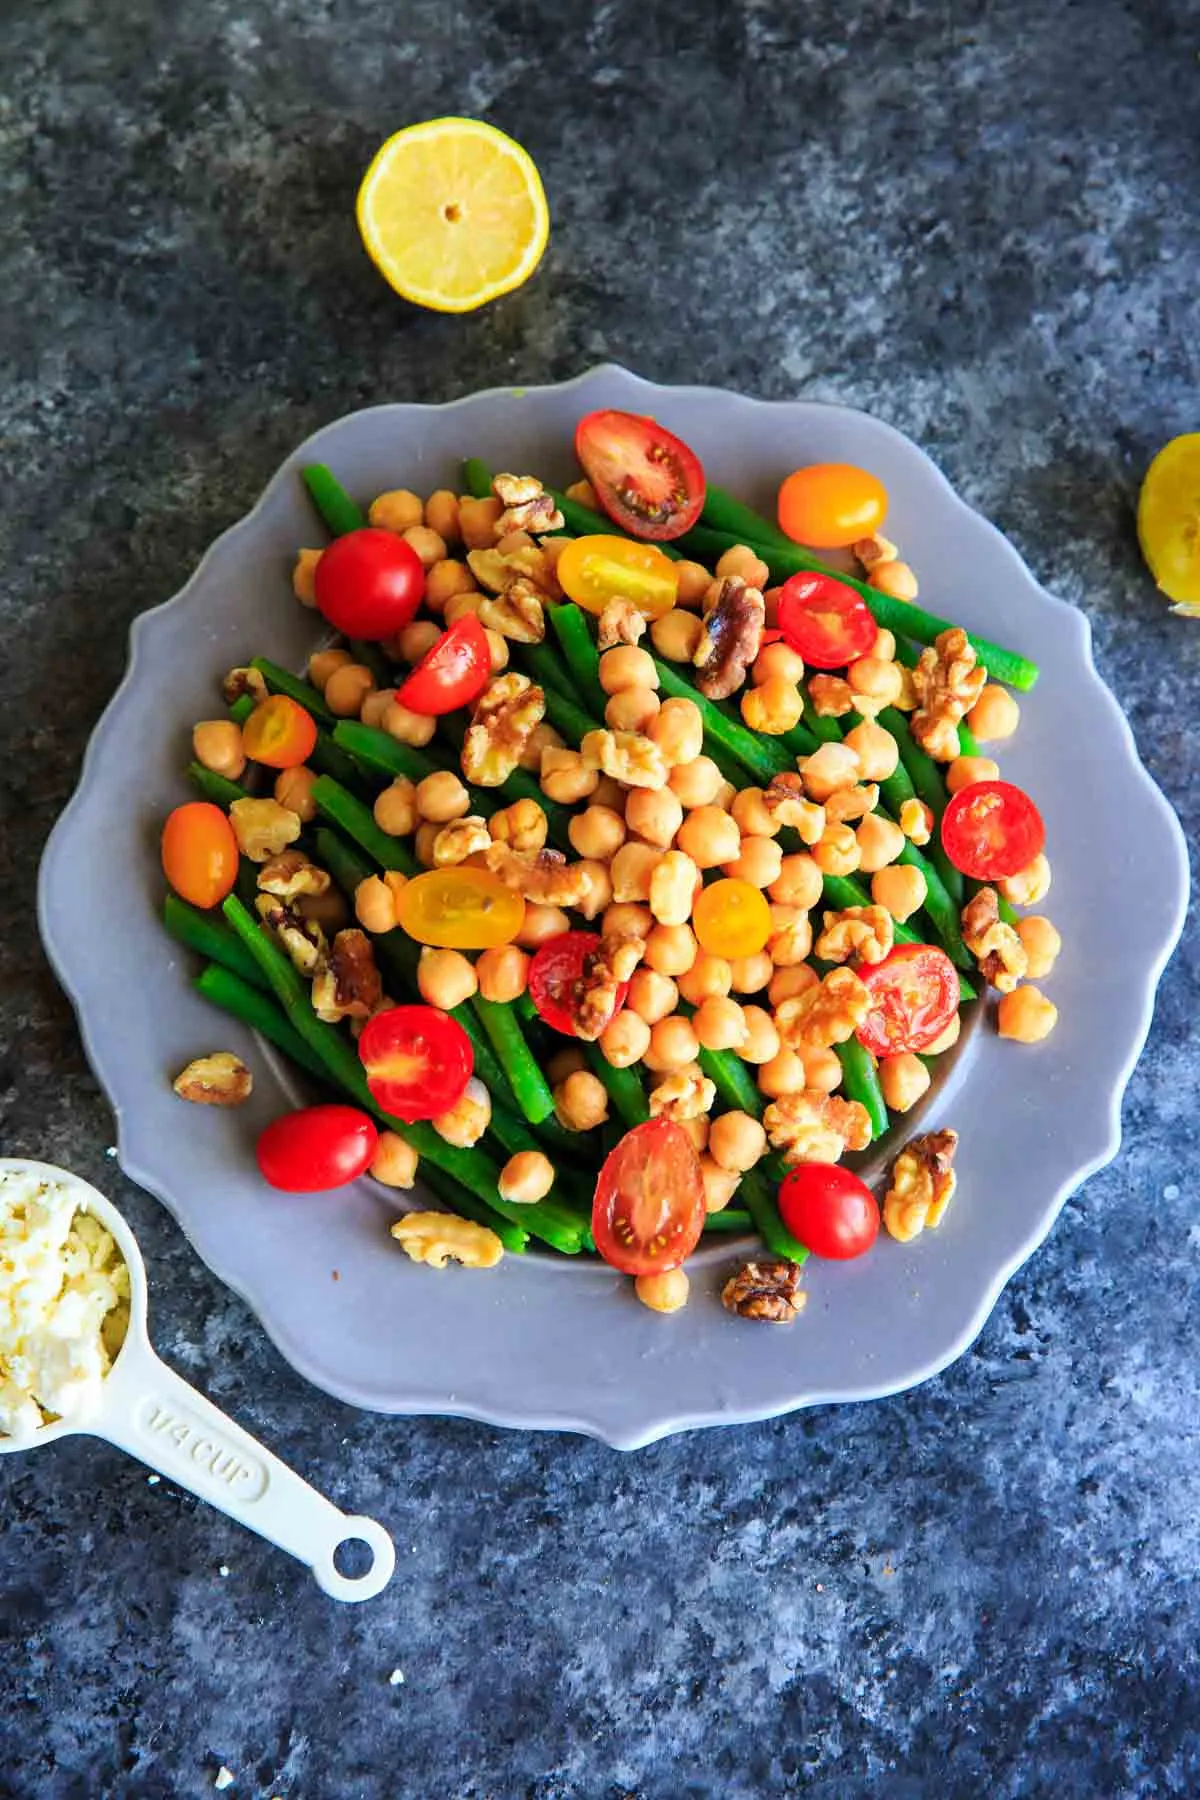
[[349, 986], [769, 1291], [438, 1238], [730, 640], [221, 1079], [997, 948], [922, 1185], [527, 506], [505, 715], [605, 970]]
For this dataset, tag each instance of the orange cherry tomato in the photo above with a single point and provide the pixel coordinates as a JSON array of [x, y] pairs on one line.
[[460, 909], [594, 570], [831, 505], [279, 733], [731, 918], [200, 853]]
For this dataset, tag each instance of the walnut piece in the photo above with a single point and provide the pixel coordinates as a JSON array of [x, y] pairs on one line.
[[546, 878], [813, 1126], [922, 1185], [438, 1238], [291, 874], [516, 613], [948, 681], [505, 717], [682, 1095], [522, 826], [627, 756], [916, 821], [826, 1014], [605, 970], [620, 623], [832, 697], [349, 986], [785, 800], [302, 939], [221, 1079], [460, 839], [498, 570], [864, 932], [242, 682], [996, 947], [875, 549], [851, 803], [730, 640], [527, 506], [263, 828], [768, 1290]]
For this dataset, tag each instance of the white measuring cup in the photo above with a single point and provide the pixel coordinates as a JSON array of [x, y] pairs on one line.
[[148, 1410]]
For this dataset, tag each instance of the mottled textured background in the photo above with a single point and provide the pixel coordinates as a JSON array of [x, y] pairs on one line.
[[977, 220]]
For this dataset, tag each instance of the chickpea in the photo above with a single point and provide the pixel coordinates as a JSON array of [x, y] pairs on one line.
[[829, 768], [565, 1063], [625, 667], [671, 949], [750, 814], [632, 709], [655, 814], [565, 776], [773, 708], [526, 1177], [781, 1074], [323, 663], [441, 515], [543, 737], [1042, 945], [697, 1130], [584, 494], [540, 924], [1028, 885], [1026, 1016], [784, 984], [798, 883], [459, 605], [751, 973], [694, 580], [632, 870], [468, 1118], [375, 905], [304, 577], [445, 978], [581, 1103], [217, 743], [678, 730], [726, 794], [664, 1292], [777, 662], [741, 560], [442, 797], [424, 841], [610, 793], [375, 706], [822, 1068], [396, 808], [736, 1141], [676, 634], [903, 1079], [651, 996], [965, 770], [445, 579], [347, 688], [878, 841], [837, 852], [882, 681], [895, 579], [502, 973], [709, 977], [293, 789], [598, 897], [625, 1039], [428, 545], [720, 1024], [762, 1040], [408, 727], [394, 1162], [995, 715], [477, 521], [597, 832], [710, 837], [899, 889], [671, 888], [696, 783], [523, 825], [877, 751], [720, 1184], [673, 1044], [497, 650], [759, 862], [397, 510], [884, 646], [946, 1040], [627, 920]]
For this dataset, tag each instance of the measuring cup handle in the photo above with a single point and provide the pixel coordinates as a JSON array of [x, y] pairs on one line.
[[155, 1415]]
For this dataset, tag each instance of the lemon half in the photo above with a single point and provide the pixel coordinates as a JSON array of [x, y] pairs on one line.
[[1168, 521]]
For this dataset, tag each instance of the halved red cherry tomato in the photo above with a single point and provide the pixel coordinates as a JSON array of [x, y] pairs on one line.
[[648, 1209], [731, 918], [556, 968], [418, 1061], [452, 674], [460, 909], [831, 505], [991, 829], [279, 733], [914, 996], [200, 853], [831, 1211], [594, 570], [317, 1148], [824, 621], [369, 583], [645, 478]]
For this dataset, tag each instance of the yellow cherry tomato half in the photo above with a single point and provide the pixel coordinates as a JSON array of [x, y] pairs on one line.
[[731, 919], [279, 733], [1168, 521], [460, 909], [595, 570], [831, 505], [200, 853]]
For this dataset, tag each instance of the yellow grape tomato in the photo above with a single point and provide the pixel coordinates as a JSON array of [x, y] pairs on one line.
[[595, 570], [459, 909], [731, 919]]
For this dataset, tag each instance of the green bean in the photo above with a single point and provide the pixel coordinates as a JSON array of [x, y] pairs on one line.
[[358, 822], [732, 1080], [526, 1080], [477, 478], [860, 1082], [623, 1086], [824, 729], [728, 1223], [461, 1200], [241, 708], [758, 755], [331, 500], [281, 681], [755, 1193], [210, 937], [260, 1011], [940, 906], [579, 650], [216, 788], [930, 786], [544, 668], [569, 719], [382, 754]]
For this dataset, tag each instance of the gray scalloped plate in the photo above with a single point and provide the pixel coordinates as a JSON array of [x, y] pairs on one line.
[[543, 1342]]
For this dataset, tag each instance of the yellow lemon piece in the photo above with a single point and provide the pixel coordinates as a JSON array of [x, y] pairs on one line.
[[1168, 522], [453, 214]]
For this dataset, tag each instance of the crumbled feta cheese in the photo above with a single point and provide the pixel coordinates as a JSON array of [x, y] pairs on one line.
[[64, 1300]]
